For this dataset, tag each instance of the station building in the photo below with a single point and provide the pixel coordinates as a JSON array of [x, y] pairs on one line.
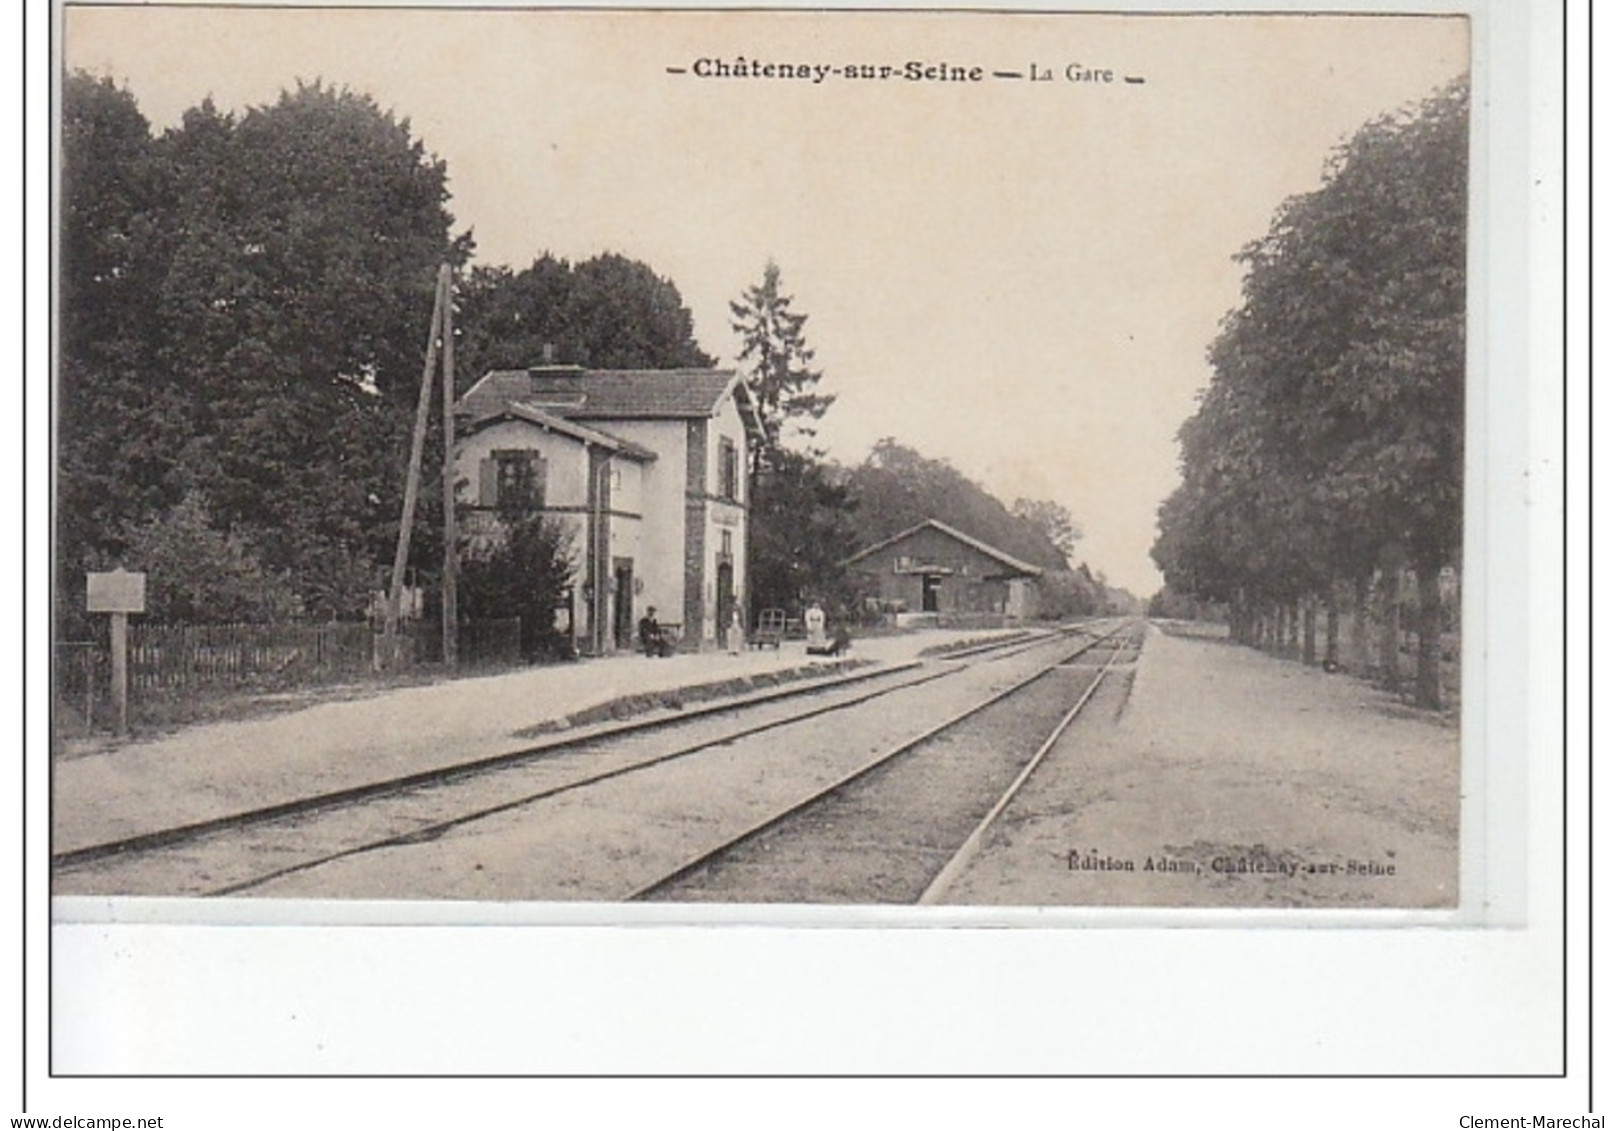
[[932, 573], [648, 469]]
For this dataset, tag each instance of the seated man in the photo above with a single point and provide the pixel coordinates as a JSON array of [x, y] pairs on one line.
[[842, 641], [650, 634]]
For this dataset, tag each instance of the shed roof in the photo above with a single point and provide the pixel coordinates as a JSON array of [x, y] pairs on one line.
[[1007, 560]]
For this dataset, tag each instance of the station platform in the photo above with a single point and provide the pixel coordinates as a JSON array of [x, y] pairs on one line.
[[214, 770]]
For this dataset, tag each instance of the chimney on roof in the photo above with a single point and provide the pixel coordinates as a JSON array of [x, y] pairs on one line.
[[549, 353], [555, 385]]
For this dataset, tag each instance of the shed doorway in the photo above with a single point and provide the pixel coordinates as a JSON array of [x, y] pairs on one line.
[[931, 593]]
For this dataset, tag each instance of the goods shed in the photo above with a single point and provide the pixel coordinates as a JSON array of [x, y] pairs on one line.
[[932, 573]]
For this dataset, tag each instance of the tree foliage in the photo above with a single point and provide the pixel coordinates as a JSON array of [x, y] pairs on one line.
[[1069, 593], [121, 421], [608, 312], [243, 307], [897, 487], [1330, 440], [802, 531], [197, 572], [1053, 520], [801, 519], [779, 365], [524, 569]]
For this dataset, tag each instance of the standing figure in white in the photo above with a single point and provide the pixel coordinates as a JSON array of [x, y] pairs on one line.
[[813, 621]]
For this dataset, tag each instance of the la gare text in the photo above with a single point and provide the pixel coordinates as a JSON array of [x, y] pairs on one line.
[[915, 71]]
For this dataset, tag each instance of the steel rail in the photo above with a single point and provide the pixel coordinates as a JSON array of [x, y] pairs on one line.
[[161, 839], [178, 834], [424, 833], [968, 851], [1004, 648], [701, 860], [450, 775]]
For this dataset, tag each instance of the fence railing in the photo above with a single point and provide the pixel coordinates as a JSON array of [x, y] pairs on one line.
[[201, 655], [481, 642], [83, 680], [167, 661]]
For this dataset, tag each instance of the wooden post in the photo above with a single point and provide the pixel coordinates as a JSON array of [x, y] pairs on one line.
[[120, 669], [451, 554], [389, 633], [119, 593]]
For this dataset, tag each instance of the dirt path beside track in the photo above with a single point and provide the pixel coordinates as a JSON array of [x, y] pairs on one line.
[[1232, 779]]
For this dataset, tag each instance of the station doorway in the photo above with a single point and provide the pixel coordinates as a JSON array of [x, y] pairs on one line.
[[726, 596], [622, 626]]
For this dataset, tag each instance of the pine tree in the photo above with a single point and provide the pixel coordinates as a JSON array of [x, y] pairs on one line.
[[780, 375]]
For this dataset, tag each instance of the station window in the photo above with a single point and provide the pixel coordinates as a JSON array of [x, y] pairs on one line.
[[728, 469], [513, 481]]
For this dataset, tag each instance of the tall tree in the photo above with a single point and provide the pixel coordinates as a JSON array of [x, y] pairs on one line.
[[625, 316], [1053, 520], [779, 364], [306, 238], [121, 422], [609, 312]]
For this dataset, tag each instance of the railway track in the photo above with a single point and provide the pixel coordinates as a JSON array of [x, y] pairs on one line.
[[247, 851], [905, 825]]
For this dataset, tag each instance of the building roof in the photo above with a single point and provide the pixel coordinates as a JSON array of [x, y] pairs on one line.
[[614, 394], [1010, 562], [514, 410]]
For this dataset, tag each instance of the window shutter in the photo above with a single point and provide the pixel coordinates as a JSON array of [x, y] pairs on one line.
[[488, 483], [540, 472]]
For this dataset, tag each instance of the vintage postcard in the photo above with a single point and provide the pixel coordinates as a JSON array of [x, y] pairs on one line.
[[858, 467], [837, 401]]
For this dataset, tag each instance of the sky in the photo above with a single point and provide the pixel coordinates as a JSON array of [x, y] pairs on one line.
[[1020, 276]]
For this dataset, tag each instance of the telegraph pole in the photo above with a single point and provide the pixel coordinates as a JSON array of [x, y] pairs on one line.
[[389, 633], [451, 549]]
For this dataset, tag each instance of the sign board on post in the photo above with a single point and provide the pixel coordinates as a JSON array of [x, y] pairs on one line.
[[120, 593]]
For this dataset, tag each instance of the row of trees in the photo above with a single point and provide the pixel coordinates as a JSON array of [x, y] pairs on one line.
[[243, 307], [1325, 460]]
